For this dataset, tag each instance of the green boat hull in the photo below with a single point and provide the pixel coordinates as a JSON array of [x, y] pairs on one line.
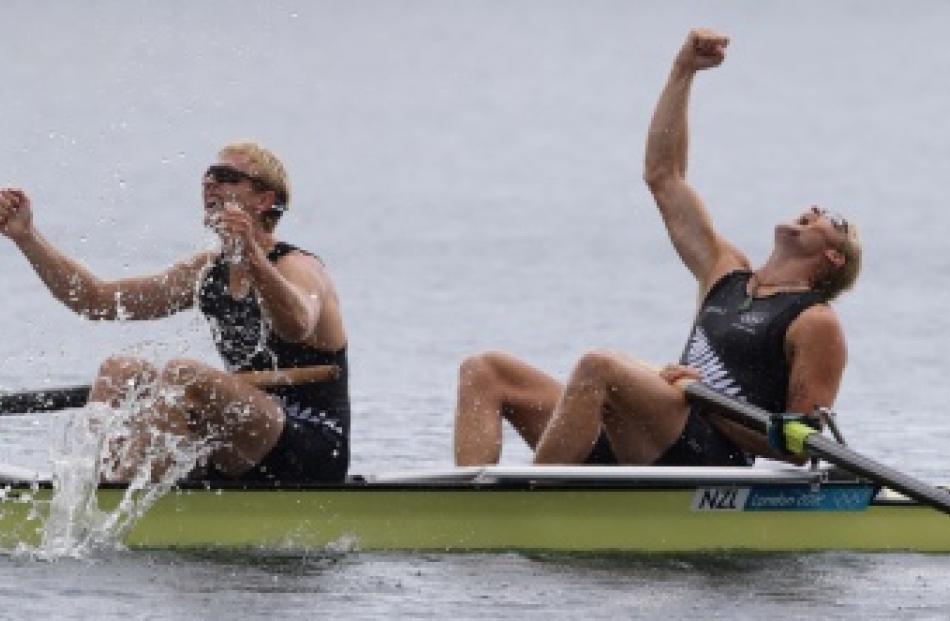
[[472, 518]]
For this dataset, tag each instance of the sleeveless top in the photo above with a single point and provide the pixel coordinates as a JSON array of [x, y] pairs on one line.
[[738, 342], [245, 341]]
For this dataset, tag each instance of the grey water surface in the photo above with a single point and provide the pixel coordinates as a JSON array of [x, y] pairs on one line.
[[470, 171]]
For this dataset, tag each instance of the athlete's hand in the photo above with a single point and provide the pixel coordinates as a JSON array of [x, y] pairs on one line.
[[236, 229], [704, 48], [675, 373], [16, 215]]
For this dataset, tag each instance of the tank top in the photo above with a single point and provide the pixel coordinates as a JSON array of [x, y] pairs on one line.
[[738, 342], [245, 341]]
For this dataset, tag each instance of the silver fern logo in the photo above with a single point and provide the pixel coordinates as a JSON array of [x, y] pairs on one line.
[[700, 355]]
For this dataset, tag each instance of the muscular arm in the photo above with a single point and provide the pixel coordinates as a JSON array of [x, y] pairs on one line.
[[704, 252], [816, 354], [294, 293], [83, 292]]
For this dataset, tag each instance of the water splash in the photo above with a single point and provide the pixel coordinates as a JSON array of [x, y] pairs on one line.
[[76, 525], [73, 510], [264, 329]]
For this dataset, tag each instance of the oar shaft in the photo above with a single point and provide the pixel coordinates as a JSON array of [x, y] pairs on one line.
[[63, 397], [832, 452], [813, 443], [48, 400], [746, 414]]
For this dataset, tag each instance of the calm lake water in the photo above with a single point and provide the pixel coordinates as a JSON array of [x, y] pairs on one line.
[[471, 174]]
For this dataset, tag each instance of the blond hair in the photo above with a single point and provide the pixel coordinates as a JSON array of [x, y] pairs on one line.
[[266, 168], [837, 280]]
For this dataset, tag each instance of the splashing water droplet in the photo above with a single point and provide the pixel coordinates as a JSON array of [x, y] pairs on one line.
[[74, 525]]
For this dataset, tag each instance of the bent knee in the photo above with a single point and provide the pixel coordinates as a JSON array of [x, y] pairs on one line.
[[597, 364], [482, 370], [126, 368], [185, 372]]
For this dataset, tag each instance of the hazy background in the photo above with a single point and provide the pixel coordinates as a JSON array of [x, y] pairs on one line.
[[471, 174]]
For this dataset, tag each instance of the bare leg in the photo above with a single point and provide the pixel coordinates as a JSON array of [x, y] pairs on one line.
[[121, 376], [641, 412], [242, 422], [494, 386], [120, 379], [136, 448]]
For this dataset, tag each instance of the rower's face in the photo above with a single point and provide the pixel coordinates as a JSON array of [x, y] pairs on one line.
[[229, 180], [814, 231]]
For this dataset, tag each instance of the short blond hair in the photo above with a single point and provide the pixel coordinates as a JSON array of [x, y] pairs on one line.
[[265, 167], [836, 281]]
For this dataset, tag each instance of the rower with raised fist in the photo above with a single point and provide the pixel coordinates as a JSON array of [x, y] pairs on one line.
[[768, 336]]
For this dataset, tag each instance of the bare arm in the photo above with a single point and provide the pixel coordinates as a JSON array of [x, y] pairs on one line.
[[81, 290], [296, 292], [704, 252], [293, 294], [750, 441], [817, 354]]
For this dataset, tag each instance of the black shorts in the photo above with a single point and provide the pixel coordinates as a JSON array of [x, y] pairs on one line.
[[306, 452], [700, 444]]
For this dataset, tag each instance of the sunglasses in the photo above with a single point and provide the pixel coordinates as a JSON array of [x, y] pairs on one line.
[[222, 173]]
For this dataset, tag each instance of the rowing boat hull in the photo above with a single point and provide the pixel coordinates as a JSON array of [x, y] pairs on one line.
[[447, 518]]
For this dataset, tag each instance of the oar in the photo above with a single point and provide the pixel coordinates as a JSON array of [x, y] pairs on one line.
[[46, 400], [800, 439], [53, 399]]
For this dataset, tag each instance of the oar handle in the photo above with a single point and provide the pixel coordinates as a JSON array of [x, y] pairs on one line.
[[63, 397], [291, 377]]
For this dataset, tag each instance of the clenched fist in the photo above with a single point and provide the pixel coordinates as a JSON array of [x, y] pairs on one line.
[[15, 213], [704, 48]]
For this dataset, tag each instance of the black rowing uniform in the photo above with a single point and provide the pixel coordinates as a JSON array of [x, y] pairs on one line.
[[314, 445], [738, 345]]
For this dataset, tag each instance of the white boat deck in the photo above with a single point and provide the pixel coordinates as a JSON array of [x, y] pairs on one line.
[[10, 474], [487, 475], [604, 474]]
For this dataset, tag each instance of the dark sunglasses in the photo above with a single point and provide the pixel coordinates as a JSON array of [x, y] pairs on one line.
[[221, 173]]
